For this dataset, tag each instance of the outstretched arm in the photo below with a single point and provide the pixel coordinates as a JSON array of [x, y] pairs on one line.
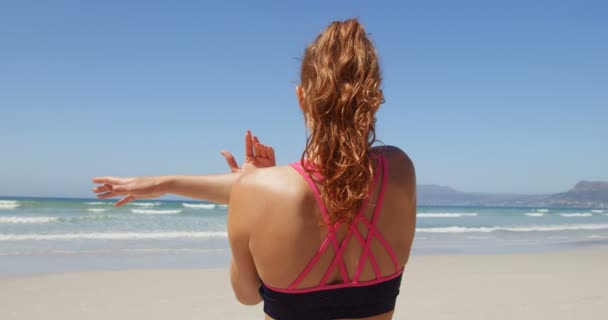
[[214, 188]]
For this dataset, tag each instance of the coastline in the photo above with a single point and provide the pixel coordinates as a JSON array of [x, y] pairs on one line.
[[564, 284]]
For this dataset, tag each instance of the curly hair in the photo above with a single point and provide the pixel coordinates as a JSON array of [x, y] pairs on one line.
[[340, 77]]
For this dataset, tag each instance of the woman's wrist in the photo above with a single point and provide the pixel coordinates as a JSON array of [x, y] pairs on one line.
[[166, 184]]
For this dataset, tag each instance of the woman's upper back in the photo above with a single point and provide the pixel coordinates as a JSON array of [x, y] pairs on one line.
[[288, 233]]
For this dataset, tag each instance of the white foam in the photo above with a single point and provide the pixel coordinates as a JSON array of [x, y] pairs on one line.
[[535, 214], [223, 206], [113, 236], [597, 211], [95, 203], [445, 215], [578, 214], [542, 210], [199, 205], [97, 209], [22, 220], [566, 227], [145, 204], [9, 204], [148, 211]]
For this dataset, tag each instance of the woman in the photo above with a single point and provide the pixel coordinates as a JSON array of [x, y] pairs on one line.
[[327, 237]]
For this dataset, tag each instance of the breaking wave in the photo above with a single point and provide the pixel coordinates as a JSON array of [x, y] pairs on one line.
[[28, 220], [9, 204], [578, 214], [535, 214], [445, 215], [149, 211], [145, 204], [546, 228], [199, 205]]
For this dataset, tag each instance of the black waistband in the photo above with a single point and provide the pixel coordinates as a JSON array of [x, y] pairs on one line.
[[349, 302]]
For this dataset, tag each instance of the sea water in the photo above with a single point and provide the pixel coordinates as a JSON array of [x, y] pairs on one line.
[[40, 235]]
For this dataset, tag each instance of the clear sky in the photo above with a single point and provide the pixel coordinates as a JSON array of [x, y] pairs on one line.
[[494, 96]]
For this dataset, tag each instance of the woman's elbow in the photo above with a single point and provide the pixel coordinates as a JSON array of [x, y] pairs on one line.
[[248, 298]]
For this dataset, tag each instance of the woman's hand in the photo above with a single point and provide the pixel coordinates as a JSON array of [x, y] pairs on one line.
[[257, 155], [134, 188]]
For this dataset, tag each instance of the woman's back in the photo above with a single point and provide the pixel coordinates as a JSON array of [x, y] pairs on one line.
[[328, 238], [287, 233]]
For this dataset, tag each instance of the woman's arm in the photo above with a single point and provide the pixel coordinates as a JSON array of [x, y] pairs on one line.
[[214, 188]]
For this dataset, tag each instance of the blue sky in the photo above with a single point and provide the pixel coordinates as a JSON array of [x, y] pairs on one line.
[[495, 96]]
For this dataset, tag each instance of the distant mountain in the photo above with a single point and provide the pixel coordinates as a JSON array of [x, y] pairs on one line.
[[585, 194]]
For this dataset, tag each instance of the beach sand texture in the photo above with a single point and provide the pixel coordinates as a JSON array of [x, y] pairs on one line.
[[557, 285]]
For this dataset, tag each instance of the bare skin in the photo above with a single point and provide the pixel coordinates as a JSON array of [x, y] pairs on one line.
[[214, 188], [273, 226], [273, 217]]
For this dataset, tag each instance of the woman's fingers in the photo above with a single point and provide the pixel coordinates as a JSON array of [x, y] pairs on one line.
[[271, 155], [234, 166], [258, 150], [107, 195], [264, 151], [117, 189], [124, 200], [112, 180], [248, 145], [104, 188]]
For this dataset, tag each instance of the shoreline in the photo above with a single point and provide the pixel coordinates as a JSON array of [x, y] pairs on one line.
[[209, 259], [565, 284]]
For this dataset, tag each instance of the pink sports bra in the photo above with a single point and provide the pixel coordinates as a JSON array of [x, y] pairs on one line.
[[353, 232]]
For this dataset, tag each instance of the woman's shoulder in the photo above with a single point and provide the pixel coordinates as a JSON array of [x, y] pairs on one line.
[[396, 157], [272, 180]]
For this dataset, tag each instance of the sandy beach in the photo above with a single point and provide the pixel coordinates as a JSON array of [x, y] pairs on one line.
[[556, 285]]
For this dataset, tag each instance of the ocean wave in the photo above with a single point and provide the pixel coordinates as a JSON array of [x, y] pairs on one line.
[[199, 205], [97, 209], [89, 217], [9, 204], [445, 215], [578, 214], [535, 214], [597, 211], [149, 211], [28, 220], [96, 203], [570, 227], [542, 210], [145, 204], [114, 236]]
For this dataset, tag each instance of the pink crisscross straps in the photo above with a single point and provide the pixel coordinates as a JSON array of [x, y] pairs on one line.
[[353, 232]]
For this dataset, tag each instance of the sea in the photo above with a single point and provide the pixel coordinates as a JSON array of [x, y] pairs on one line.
[[50, 235]]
